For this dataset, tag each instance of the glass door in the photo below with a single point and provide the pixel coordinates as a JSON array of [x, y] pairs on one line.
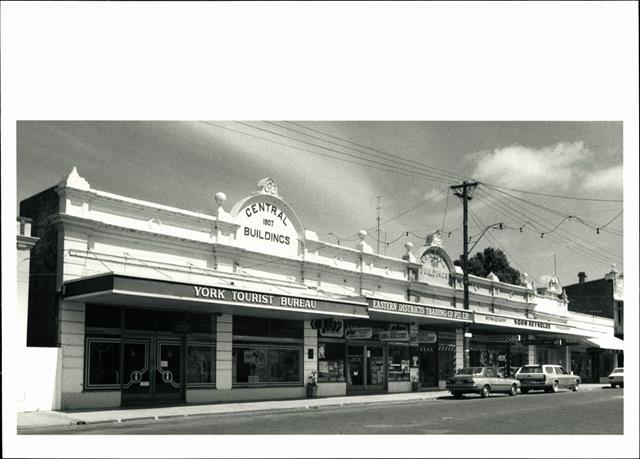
[[375, 367], [168, 370], [136, 384], [153, 371], [355, 368]]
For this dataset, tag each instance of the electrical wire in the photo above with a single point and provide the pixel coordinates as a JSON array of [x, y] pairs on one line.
[[561, 240], [390, 168], [552, 195], [430, 176]]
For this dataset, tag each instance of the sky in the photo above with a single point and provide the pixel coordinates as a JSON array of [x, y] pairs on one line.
[[332, 173]]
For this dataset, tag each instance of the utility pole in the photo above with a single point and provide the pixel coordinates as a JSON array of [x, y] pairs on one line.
[[378, 222], [462, 191]]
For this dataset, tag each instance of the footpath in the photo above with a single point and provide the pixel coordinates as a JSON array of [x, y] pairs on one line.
[[39, 419]]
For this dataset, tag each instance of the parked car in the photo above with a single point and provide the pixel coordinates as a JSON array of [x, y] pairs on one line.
[[616, 378], [549, 378], [502, 371], [480, 380]]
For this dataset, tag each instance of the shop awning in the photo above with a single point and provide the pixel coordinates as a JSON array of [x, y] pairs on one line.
[[609, 342], [115, 289]]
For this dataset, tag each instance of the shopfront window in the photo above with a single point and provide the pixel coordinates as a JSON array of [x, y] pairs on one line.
[[258, 365], [102, 363], [267, 351], [201, 364], [331, 358], [399, 362]]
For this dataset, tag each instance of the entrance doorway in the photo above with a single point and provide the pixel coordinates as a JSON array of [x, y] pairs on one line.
[[365, 368], [153, 369]]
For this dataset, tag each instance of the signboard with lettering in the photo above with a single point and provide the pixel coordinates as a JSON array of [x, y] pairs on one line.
[[241, 296], [265, 226], [523, 323], [329, 327], [394, 335], [423, 337], [358, 333], [434, 269], [435, 312]]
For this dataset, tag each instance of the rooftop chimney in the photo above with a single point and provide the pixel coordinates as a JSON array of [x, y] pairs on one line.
[[581, 277]]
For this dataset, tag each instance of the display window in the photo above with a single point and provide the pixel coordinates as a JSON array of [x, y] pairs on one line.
[[266, 365], [267, 352], [201, 364], [331, 358], [102, 363], [399, 363]]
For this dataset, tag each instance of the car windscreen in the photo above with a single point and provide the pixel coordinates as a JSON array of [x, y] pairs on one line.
[[470, 371], [531, 370], [617, 370]]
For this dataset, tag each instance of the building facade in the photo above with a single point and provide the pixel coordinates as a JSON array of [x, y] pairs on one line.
[[602, 298], [146, 304]]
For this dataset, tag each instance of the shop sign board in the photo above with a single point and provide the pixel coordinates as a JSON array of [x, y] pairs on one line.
[[420, 310], [495, 338], [241, 296], [525, 323], [423, 337], [394, 335], [333, 328], [541, 342], [358, 333]]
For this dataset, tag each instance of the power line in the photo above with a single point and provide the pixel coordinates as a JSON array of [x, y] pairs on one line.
[[437, 178], [559, 239], [450, 175], [562, 240], [553, 211], [570, 236], [389, 168], [552, 195]]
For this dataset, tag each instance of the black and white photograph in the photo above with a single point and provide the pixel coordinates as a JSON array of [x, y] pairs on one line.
[[230, 253]]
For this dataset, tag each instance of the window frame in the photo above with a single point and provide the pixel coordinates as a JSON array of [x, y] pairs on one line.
[[87, 359], [196, 385], [268, 347]]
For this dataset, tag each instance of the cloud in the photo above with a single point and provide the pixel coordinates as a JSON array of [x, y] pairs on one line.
[[606, 180], [553, 167]]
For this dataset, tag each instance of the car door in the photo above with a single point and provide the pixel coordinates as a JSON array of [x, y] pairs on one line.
[[568, 379], [493, 380]]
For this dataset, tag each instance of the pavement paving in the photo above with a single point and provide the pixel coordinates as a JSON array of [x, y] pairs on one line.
[[40, 419]]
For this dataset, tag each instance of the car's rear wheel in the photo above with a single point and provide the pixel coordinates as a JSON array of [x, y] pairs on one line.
[[554, 387], [575, 386], [613, 386], [513, 391], [456, 394], [484, 393], [524, 391]]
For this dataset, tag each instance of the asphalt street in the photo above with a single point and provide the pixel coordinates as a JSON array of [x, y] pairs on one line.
[[593, 412]]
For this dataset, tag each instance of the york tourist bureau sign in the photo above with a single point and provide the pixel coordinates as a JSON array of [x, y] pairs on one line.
[[241, 296]]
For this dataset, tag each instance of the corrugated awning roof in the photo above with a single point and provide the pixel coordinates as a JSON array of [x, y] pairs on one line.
[[609, 342]]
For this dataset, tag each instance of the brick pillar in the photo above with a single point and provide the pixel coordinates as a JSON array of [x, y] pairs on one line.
[[224, 335], [310, 343]]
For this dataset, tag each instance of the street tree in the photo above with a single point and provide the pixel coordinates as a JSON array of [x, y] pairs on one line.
[[494, 261]]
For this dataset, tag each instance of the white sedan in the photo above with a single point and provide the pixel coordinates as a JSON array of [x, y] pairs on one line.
[[616, 378]]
